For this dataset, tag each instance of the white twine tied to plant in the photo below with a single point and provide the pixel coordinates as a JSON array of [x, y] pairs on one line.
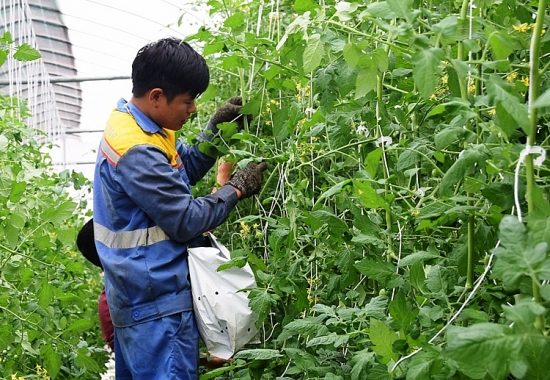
[[537, 162], [384, 141]]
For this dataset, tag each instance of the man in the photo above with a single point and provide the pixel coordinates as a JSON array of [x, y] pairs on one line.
[[145, 215]]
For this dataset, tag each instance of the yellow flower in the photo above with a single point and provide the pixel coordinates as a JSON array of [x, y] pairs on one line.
[[245, 227], [525, 81], [493, 111], [511, 77], [523, 28]]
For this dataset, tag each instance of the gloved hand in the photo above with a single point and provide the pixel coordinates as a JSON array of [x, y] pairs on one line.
[[228, 111], [249, 180]]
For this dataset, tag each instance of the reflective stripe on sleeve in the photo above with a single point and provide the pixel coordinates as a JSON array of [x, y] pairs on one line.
[[129, 239], [179, 162], [110, 154]]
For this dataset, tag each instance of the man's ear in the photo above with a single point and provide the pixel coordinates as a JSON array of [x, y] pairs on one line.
[[155, 95]]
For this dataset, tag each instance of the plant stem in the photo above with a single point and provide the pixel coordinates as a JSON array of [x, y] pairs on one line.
[[470, 271], [534, 89]]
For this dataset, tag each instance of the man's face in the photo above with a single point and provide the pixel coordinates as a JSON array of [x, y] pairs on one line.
[[174, 114]]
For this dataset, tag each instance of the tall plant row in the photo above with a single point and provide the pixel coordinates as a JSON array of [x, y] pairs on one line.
[[404, 224], [49, 325]]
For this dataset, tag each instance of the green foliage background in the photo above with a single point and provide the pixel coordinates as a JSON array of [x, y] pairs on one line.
[[386, 240], [48, 292]]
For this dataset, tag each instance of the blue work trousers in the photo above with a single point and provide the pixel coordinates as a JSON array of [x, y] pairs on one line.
[[163, 349]]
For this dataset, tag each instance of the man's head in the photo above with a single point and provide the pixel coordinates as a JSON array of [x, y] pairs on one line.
[[172, 65], [167, 76]]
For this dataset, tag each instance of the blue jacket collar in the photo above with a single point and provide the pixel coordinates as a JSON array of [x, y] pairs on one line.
[[141, 119]]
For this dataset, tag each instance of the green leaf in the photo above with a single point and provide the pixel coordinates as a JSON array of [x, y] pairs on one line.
[[51, 360], [401, 311], [234, 262], [407, 158], [401, 8], [361, 362], [466, 164], [307, 327], [446, 27], [502, 92], [417, 257], [333, 340], [448, 136], [519, 255], [345, 11], [352, 53], [235, 21], [542, 101], [377, 270], [426, 70], [261, 302], [437, 280], [502, 45], [313, 53], [45, 295], [500, 194], [57, 214], [422, 365], [84, 361], [26, 53], [381, 10], [535, 351], [212, 48], [366, 77], [368, 197], [217, 372], [418, 277], [302, 6], [258, 354], [17, 191], [334, 189], [381, 60], [80, 325], [335, 225], [303, 360], [373, 162], [482, 349], [382, 339]]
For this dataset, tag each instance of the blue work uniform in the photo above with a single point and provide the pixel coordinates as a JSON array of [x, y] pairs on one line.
[[144, 218]]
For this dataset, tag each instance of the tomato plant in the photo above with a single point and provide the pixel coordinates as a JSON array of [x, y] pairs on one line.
[[48, 297], [404, 224]]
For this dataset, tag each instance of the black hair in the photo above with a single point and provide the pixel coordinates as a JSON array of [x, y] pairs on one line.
[[172, 65], [85, 242]]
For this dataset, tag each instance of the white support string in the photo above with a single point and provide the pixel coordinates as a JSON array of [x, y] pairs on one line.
[[537, 162]]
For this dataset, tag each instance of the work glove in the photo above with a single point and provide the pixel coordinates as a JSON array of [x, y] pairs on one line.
[[249, 180], [228, 111]]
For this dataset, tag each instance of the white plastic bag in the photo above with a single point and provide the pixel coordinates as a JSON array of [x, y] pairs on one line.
[[224, 319]]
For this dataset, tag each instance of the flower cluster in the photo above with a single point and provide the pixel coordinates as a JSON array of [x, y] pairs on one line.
[[40, 371], [524, 28], [246, 230], [441, 90], [302, 91]]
